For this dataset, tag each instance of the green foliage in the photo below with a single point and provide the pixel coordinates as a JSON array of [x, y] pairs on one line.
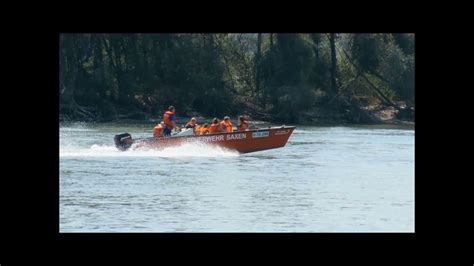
[[291, 101], [406, 42], [212, 73], [288, 71], [365, 51], [391, 59]]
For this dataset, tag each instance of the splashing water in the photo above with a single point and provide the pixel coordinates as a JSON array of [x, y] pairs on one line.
[[86, 140], [184, 150]]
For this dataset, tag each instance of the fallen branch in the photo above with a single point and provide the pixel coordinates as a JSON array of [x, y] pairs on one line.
[[380, 94]]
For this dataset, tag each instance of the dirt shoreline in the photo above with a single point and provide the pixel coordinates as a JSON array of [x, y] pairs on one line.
[[368, 114], [342, 113], [181, 120]]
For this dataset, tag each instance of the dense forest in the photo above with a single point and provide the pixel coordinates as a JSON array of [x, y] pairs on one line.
[[279, 77]]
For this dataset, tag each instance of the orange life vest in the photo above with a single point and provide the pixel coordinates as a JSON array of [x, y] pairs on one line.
[[242, 126], [166, 119], [214, 128], [202, 130], [227, 125], [197, 131], [157, 130]]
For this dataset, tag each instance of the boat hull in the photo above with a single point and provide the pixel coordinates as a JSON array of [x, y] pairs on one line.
[[241, 141]]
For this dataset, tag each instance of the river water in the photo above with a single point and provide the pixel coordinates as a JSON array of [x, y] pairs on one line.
[[326, 179]]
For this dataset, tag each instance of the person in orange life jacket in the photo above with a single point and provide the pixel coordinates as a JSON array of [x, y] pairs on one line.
[[169, 120], [216, 127], [192, 124], [227, 124], [158, 129], [203, 129], [242, 125]]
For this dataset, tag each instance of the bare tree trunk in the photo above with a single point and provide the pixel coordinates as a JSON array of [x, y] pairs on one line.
[[380, 94], [257, 63], [70, 58], [383, 97], [114, 55], [68, 71], [219, 44], [333, 63], [99, 70]]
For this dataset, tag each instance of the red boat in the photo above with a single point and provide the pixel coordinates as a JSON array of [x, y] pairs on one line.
[[242, 141]]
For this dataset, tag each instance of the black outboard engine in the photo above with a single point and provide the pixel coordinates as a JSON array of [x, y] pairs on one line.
[[123, 141]]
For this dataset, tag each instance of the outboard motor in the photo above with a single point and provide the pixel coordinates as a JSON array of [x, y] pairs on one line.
[[123, 141]]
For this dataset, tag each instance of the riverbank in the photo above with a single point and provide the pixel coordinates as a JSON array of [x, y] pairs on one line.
[[345, 114], [396, 124]]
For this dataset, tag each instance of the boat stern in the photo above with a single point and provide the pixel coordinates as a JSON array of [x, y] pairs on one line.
[[123, 141]]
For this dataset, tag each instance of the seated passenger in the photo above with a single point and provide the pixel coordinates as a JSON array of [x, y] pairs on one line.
[[242, 125], [192, 124], [203, 129], [158, 130], [216, 127], [227, 124]]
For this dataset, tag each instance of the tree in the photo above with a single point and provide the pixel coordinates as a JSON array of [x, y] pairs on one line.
[[281, 76], [333, 64], [257, 63], [290, 63]]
